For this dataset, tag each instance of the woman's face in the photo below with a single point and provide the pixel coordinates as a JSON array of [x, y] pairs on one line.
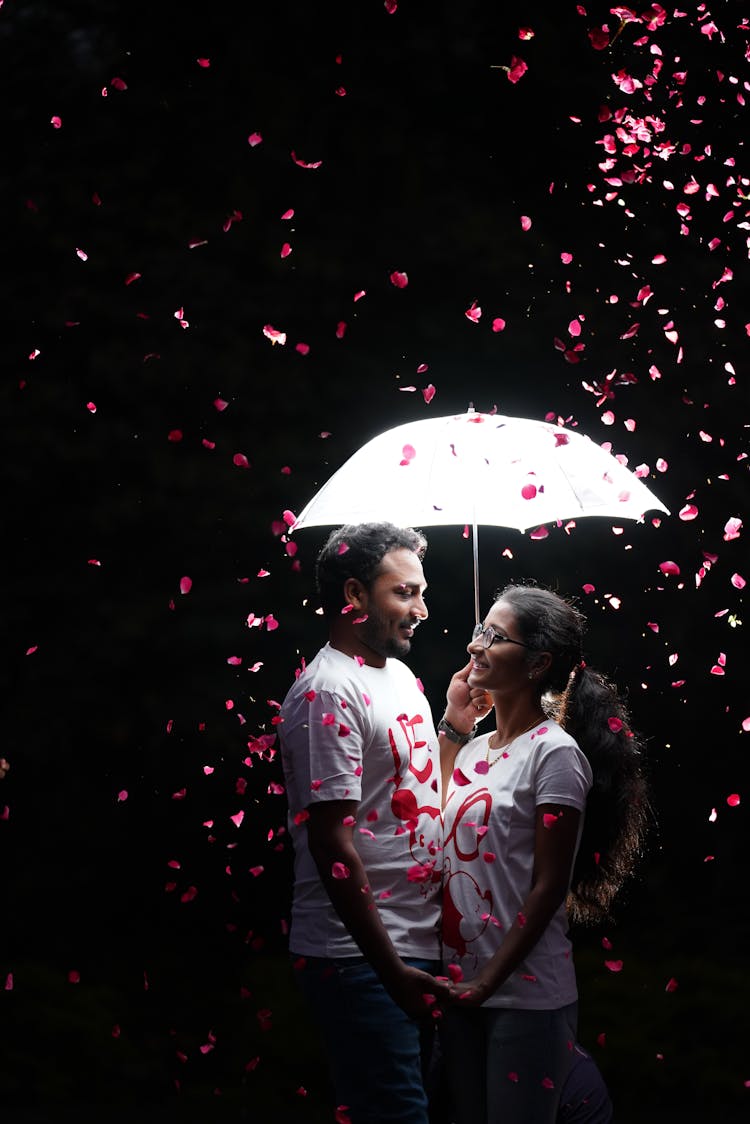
[[504, 665]]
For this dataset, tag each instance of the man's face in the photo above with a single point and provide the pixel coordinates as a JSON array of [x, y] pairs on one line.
[[394, 604]]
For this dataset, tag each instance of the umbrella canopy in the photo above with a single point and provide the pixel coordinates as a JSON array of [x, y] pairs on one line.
[[476, 468]]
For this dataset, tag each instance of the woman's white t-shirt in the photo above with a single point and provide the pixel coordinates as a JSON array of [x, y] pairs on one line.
[[489, 830]]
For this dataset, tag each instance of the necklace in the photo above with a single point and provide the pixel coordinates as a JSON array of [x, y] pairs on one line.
[[509, 741]]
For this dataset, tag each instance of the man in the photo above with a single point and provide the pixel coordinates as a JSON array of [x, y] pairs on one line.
[[362, 768]]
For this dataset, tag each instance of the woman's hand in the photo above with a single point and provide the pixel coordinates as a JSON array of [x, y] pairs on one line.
[[473, 992]]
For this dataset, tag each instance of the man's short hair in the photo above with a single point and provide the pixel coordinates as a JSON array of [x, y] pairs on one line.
[[356, 551]]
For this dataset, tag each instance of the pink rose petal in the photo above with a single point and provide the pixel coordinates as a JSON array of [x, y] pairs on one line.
[[304, 163], [274, 335], [517, 69]]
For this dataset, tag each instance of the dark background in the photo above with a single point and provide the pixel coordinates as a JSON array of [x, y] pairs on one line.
[[132, 739]]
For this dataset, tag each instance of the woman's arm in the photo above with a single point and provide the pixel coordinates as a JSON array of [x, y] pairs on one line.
[[554, 851]]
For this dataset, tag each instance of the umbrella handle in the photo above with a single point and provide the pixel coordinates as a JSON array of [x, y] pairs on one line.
[[475, 547]]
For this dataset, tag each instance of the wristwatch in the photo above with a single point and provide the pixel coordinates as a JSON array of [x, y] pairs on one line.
[[452, 734]]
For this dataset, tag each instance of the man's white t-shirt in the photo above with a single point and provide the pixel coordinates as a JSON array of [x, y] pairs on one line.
[[354, 732], [489, 831]]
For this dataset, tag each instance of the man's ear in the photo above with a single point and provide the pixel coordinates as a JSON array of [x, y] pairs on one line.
[[354, 593]]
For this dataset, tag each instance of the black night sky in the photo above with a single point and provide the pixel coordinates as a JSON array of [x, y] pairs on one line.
[[203, 207]]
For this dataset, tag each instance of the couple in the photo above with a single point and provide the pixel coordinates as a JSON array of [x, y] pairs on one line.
[[432, 868]]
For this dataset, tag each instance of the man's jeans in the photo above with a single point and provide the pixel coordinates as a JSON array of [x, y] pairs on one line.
[[377, 1054]]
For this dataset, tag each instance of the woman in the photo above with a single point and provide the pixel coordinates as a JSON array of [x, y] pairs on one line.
[[517, 846]]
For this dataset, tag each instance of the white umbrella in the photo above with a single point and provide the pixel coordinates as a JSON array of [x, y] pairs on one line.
[[477, 468]]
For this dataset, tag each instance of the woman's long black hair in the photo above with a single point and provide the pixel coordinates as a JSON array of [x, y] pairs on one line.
[[589, 707]]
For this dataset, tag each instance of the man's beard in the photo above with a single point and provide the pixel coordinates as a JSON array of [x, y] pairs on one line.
[[374, 635]]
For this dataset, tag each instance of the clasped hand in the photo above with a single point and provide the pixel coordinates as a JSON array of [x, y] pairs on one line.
[[418, 993], [470, 993]]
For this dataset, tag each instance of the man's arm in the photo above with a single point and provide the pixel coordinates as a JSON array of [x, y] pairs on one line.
[[330, 831]]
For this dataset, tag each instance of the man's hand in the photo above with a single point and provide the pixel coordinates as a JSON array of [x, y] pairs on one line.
[[4, 767], [417, 992], [466, 705]]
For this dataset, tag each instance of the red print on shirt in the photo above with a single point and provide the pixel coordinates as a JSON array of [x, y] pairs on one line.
[[460, 929], [404, 804]]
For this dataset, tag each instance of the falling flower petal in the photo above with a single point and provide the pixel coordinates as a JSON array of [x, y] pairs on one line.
[[274, 335], [422, 872], [517, 69], [305, 164]]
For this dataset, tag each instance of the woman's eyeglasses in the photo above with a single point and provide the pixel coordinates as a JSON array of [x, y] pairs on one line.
[[489, 636]]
